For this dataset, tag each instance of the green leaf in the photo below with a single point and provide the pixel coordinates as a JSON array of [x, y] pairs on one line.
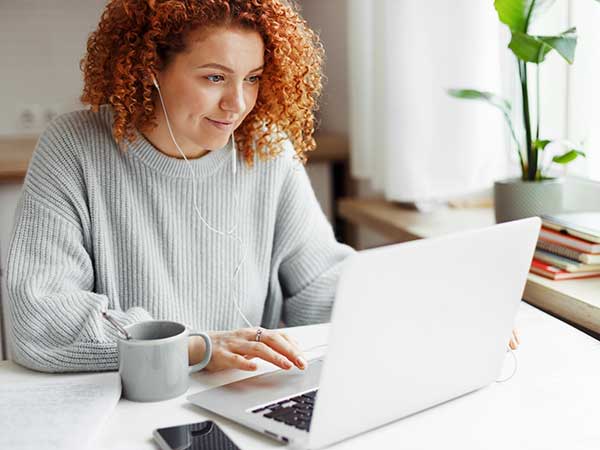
[[540, 144], [518, 14], [489, 97], [535, 48], [564, 43], [528, 48], [568, 157]]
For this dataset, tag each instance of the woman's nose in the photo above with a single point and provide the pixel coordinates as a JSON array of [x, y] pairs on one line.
[[234, 101]]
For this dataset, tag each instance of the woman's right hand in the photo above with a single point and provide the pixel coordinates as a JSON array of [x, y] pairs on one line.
[[236, 349]]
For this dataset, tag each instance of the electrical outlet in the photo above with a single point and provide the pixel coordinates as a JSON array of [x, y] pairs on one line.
[[29, 117], [49, 114]]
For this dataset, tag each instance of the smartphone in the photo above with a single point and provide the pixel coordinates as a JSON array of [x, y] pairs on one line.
[[194, 436]]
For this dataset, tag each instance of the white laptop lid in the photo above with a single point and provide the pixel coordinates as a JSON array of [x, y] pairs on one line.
[[432, 318]]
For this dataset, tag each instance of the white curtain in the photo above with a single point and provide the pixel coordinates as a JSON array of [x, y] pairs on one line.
[[583, 87], [413, 142], [408, 137]]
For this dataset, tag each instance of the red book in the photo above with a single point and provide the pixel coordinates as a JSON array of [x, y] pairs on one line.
[[546, 270]]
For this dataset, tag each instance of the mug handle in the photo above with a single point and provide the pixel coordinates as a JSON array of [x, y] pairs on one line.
[[207, 354]]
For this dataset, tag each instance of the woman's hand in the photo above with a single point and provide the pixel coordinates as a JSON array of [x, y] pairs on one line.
[[514, 341], [235, 350]]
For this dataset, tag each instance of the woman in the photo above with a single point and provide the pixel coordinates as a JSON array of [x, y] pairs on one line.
[[148, 207]]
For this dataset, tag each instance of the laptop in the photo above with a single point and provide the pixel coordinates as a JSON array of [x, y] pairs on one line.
[[413, 325]]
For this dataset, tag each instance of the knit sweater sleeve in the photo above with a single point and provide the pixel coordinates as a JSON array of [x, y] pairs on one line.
[[310, 256], [55, 317]]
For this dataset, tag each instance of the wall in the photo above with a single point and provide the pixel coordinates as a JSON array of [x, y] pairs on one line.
[[42, 43], [329, 19]]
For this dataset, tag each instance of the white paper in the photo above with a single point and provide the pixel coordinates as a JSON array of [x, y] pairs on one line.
[[55, 411]]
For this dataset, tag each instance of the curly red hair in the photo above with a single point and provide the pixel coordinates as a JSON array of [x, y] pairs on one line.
[[137, 38]]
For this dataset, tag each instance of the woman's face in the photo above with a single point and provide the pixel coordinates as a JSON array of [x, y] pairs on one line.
[[210, 88]]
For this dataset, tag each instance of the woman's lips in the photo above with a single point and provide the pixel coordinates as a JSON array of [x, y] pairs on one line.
[[221, 125]]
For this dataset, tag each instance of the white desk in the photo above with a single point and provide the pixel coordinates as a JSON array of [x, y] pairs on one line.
[[553, 402]]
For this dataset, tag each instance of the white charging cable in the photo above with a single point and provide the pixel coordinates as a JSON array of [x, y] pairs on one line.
[[231, 233]]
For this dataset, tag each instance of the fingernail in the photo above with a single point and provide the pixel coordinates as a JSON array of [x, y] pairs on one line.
[[301, 362], [287, 364]]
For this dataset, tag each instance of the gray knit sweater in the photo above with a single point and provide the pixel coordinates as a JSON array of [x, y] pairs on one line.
[[97, 229]]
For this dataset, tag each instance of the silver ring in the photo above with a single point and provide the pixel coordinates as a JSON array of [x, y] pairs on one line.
[[258, 334]]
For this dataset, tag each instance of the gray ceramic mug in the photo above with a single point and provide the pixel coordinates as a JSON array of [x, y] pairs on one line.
[[153, 364]]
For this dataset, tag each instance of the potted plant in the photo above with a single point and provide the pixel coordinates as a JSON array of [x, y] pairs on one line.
[[535, 192]]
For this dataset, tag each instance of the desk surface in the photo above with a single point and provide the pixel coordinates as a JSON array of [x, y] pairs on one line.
[[550, 403], [575, 300]]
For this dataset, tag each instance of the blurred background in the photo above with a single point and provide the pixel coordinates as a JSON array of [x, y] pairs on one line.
[[388, 128]]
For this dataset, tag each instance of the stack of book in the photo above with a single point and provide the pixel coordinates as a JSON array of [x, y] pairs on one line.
[[568, 246]]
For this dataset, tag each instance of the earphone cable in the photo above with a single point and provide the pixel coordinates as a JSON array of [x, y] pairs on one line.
[[222, 233], [502, 380]]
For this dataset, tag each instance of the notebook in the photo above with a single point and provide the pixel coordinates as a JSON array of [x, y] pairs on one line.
[[585, 225]]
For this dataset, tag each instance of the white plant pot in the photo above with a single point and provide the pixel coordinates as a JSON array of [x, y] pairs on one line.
[[517, 199]]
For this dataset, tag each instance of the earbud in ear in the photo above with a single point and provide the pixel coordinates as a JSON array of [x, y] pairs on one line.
[[155, 82]]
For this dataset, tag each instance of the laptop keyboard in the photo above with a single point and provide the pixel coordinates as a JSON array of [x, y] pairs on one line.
[[295, 411]]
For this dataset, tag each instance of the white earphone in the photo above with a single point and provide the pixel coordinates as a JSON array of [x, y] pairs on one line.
[[229, 233]]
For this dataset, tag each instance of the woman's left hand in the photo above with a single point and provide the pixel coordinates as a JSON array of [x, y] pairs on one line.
[[514, 340]]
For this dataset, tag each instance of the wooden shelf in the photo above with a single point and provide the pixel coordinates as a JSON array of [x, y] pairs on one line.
[[15, 153], [403, 224], [331, 147]]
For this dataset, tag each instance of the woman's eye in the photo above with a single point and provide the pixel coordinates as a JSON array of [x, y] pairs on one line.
[[254, 79], [215, 78], [219, 78]]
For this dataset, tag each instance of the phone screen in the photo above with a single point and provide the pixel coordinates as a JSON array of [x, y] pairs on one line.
[[194, 436]]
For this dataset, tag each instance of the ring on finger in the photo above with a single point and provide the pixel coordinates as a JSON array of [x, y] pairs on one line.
[[258, 335]]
